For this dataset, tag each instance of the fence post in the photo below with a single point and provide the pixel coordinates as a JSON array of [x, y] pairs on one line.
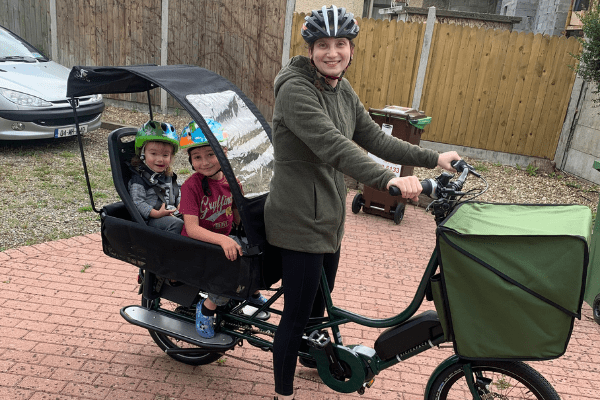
[[570, 123], [53, 32], [287, 30], [164, 44], [424, 58]]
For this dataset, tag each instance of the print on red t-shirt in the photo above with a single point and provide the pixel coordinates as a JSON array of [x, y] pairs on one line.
[[214, 212]]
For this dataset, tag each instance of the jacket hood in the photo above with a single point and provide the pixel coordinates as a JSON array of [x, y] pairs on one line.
[[299, 67]]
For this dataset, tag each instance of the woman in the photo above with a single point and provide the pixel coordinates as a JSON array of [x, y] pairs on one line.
[[318, 125]]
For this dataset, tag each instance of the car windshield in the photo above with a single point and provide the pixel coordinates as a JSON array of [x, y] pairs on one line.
[[13, 48]]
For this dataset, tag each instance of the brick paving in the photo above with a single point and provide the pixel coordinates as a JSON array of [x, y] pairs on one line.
[[62, 338]]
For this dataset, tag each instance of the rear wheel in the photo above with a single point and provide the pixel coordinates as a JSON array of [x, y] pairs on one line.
[[495, 380], [596, 308], [167, 342]]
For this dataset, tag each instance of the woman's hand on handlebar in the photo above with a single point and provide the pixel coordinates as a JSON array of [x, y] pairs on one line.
[[446, 158], [409, 186]]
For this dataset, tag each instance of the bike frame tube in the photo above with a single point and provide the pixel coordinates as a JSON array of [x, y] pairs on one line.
[[340, 316]]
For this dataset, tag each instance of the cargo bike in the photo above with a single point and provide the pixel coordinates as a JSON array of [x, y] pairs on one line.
[[497, 275]]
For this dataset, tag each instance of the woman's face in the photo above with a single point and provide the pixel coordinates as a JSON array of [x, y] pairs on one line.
[[331, 55]]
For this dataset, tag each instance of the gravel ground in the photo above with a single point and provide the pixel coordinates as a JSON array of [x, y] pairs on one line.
[[44, 193]]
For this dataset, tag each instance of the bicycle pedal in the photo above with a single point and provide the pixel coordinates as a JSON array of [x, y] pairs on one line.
[[318, 340]]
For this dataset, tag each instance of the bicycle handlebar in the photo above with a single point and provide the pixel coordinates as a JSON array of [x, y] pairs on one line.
[[435, 188]]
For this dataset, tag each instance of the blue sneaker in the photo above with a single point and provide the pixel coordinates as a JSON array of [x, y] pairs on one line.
[[204, 324], [258, 301]]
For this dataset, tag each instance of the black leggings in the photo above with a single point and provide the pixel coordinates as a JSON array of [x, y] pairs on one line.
[[301, 278]]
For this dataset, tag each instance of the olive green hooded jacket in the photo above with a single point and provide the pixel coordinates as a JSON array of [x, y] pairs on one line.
[[317, 131]]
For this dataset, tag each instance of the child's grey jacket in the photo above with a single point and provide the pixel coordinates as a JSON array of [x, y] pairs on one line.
[[144, 195]]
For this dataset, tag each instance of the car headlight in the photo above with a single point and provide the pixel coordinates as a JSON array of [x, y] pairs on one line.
[[96, 98], [23, 99]]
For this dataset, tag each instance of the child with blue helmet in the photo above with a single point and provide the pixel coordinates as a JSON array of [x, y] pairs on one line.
[[209, 213], [153, 185]]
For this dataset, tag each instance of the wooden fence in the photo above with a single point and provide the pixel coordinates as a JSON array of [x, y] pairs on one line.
[[29, 19], [240, 40], [484, 88]]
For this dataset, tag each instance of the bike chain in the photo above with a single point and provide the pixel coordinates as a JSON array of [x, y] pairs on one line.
[[247, 329]]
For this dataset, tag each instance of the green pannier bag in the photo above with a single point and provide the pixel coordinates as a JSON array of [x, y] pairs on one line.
[[513, 277]]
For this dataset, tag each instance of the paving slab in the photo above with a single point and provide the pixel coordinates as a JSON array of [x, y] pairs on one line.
[[62, 338]]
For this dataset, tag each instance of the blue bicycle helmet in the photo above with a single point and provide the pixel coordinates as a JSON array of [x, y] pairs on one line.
[[192, 136]]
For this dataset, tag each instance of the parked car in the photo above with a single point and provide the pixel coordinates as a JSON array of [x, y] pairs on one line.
[[33, 102]]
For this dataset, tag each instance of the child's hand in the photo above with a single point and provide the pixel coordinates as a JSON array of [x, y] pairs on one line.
[[162, 212], [230, 247]]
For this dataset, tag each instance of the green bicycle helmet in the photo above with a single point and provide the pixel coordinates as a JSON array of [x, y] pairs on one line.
[[329, 22], [192, 136], [155, 131]]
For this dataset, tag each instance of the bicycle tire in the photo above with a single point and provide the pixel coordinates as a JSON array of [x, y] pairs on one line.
[[596, 308], [510, 380], [165, 342]]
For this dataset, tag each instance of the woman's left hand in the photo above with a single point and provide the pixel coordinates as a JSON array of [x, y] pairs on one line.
[[444, 160]]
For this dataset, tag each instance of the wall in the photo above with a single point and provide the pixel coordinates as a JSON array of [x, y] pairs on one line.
[[584, 146], [551, 16], [547, 17], [473, 6]]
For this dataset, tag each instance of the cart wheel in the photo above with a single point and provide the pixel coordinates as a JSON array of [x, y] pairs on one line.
[[596, 309], [399, 213], [357, 203]]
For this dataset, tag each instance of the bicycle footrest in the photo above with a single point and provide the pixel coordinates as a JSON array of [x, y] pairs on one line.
[[176, 327]]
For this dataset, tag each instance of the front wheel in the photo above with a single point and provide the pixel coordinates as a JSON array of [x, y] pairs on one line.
[[505, 380], [596, 308]]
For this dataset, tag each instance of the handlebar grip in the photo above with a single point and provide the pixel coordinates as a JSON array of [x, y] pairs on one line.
[[427, 187], [394, 191], [459, 165]]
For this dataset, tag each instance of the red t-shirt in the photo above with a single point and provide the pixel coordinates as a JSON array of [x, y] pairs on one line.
[[214, 212]]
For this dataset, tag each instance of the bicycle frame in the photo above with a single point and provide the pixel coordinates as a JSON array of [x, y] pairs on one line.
[[338, 316]]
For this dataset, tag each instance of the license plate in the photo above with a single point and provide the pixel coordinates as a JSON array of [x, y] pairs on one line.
[[71, 131]]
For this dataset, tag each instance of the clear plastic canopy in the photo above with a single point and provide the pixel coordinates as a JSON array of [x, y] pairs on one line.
[[250, 152]]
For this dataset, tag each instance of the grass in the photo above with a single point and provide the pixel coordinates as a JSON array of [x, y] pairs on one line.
[[481, 168], [47, 178]]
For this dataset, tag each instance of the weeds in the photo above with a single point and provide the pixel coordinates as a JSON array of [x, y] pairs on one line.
[[85, 209], [573, 185], [85, 267], [481, 168], [531, 170]]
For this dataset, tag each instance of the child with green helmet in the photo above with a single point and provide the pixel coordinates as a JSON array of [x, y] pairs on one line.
[[153, 185], [209, 213]]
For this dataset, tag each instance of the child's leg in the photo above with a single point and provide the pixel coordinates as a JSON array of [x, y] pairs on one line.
[[168, 223]]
